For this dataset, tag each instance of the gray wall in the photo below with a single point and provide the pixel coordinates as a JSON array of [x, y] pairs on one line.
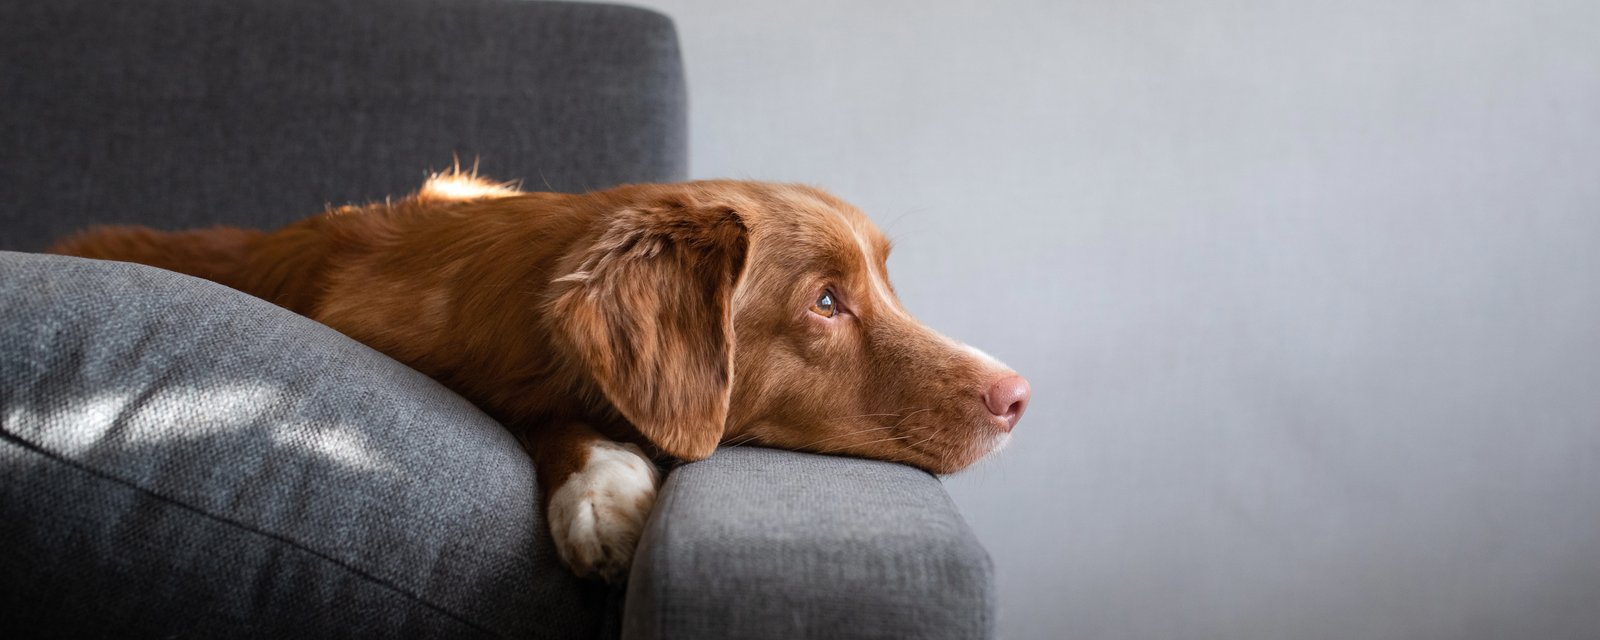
[[1308, 292]]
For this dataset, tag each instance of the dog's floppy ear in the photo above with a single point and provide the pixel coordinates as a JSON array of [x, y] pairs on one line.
[[649, 312]]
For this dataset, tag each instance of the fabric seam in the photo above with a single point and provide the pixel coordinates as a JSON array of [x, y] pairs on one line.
[[369, 577]]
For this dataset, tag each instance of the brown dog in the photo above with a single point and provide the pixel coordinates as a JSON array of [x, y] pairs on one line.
[[669, 317]]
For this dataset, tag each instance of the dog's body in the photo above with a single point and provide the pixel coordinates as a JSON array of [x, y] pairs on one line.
[[597, 327]]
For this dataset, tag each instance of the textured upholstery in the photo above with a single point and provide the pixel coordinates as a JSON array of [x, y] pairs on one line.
[[777, 544], [185, 113], [249, 470]]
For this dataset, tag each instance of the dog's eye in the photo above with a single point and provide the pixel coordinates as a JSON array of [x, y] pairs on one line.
[[824, 305]]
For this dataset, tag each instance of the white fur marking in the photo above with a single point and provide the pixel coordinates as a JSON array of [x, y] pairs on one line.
[[576, 276], [879, 281], [979, 353], [598, 513], [457, 186], [998, 444]]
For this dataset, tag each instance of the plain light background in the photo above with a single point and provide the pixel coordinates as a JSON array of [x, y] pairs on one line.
[[1308, 292]]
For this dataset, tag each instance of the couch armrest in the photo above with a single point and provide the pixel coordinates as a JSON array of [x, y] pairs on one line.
[[763, 543]]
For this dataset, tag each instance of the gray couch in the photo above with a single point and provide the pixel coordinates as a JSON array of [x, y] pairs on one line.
[[178, 459]]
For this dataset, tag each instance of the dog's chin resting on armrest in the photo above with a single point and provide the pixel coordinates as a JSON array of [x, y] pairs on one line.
[[610, 328]]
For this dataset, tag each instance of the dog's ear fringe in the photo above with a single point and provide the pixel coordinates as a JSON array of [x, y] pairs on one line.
[[649, 313]]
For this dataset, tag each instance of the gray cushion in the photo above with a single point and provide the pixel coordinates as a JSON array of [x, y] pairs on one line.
[[180, 458], [185, 113], [761, 543]]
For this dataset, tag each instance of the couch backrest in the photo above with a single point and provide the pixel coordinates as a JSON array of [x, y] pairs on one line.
[[184, 113]]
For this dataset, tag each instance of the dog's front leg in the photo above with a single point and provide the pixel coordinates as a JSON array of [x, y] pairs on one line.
[[597, 494]]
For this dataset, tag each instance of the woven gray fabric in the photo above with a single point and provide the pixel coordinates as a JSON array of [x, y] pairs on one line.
[[178, 458], [761, 543], [189, 113]]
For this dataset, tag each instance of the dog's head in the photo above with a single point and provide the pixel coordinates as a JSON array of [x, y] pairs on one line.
[[757, 313]]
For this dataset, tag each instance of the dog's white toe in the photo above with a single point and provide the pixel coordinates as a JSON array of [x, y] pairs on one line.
[[597, 515]]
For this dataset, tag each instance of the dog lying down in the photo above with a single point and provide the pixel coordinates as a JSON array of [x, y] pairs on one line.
[[609, 328]]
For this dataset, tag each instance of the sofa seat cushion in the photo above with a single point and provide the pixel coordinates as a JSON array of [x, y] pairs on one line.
[[178, 458]]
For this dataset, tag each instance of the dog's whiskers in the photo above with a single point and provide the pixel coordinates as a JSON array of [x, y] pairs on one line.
[[904, 433], [908, 416], [859, 432], [741, 439], [845, 435], [864, 415], [920, 442], [862, 444]]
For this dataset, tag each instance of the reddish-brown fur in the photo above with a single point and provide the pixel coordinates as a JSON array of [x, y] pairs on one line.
[[673, 316]]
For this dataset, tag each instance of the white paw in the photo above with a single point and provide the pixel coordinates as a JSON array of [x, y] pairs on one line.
[[597, 515]]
